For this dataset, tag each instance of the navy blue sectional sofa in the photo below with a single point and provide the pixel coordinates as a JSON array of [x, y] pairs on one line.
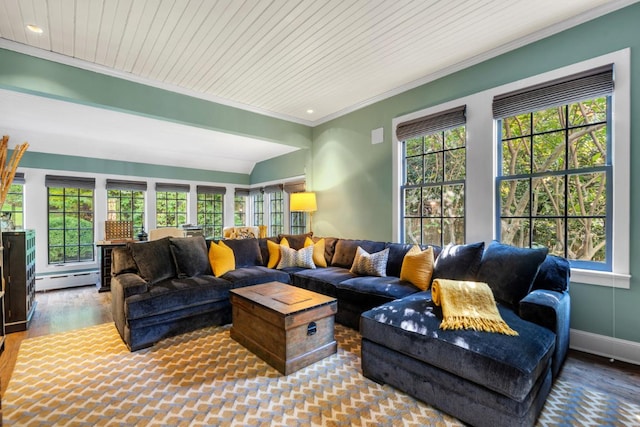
[[166, 287]]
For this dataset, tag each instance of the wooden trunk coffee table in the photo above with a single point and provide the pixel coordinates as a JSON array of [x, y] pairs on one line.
[[286, 326]]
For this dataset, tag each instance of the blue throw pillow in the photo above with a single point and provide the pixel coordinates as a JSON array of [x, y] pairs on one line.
[[458, 262], [554, 274], [510, 271], [245, 251]]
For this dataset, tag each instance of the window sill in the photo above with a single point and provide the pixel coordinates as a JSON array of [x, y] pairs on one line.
[[601, 278]]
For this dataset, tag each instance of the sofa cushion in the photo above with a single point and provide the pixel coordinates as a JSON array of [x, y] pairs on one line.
[[321, 280], [221, 258], [371, 291], [510, 271], [122, 261], [247, 276], [246, 252], [554, 274], [509, 365], [458, 262], [296, 241], [191, 256], [417, 267], [153, 259], [176, 294], [346, 249], [366, 264]]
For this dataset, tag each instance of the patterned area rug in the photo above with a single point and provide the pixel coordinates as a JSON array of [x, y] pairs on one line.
[[88, 377]]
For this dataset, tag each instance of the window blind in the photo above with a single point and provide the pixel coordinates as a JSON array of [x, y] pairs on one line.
[[18, 178], [256, 191], [432, 123], [241, 192], [126, 185], [273, 188], [294, 187], [70, 182], [576, 87], [210, 189], [179, 188]]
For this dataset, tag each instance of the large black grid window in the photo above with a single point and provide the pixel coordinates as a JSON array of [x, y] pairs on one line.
[[211, 210], [126, 205], [276, 213], [70, 219], [13, 207], [298, 222], [258, 208], [554, 180], [434, 175], [240, 206], [171, 205]]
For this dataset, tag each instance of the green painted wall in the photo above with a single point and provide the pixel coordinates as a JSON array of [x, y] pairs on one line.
[[84, 164], [282, 167], [353, 178], [41, 77]]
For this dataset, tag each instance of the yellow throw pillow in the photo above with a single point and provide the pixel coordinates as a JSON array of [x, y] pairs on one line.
[[221, 258], [417, 267], [318, 251], [274, 252]]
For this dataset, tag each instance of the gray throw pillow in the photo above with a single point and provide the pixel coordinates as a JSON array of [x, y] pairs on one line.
[[245, 251], [154, 259], [458, 262], [122, 261], [191, 256]]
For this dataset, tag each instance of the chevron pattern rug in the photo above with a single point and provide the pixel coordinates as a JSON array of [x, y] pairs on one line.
[[204, 378]]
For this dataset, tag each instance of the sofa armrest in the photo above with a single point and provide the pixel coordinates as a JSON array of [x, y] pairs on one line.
[[122, 287], [552, 310]]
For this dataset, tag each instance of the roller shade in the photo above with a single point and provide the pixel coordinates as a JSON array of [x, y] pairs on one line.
[[432, 123], [576, 87], [70, 182], [241, 192], [295, 187], [273, 188], [126, 185], [210, 189], [180, 188], [18, 178]]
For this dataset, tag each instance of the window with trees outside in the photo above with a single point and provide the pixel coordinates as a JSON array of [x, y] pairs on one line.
[[258, 208], [126, 201], [276, 212], [211, 210], [171, 205], [298, 222], [70, 219], [434, 173], [240, 207], [555, 173], [13, 207]]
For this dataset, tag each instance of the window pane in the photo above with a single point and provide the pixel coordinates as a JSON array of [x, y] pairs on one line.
[[516, 126], [431, 201], [587, 194], [455, 164], [515, 231], [516, 157], [453, 231], [413, 147], [548, 196], [434, 142], [433, 167], [549, 120], [453, 200], [549, 152], [412, 230], [587, 239], [514, 197], [586, 112], [549, 233], [455, 138], [412, 201], [431, 231], [588, 147], [414, 171]]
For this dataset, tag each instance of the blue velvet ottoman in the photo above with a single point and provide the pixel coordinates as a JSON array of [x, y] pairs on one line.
[[481, 378]]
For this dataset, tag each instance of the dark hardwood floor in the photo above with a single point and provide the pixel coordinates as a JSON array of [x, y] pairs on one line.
[[64, 310]]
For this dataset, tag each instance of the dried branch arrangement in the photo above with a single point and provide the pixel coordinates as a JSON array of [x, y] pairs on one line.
[[8, 170]]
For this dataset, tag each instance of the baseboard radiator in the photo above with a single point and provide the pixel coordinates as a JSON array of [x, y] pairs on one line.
[[67, 280]]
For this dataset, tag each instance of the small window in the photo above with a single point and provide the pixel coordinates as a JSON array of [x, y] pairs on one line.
[[13, 207], [171, 205]]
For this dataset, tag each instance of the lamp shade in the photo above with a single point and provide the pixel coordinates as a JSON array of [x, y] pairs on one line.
[[303, 202]]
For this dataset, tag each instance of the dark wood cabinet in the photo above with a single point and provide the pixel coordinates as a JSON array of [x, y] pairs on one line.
[[19, 262], [104, 252]]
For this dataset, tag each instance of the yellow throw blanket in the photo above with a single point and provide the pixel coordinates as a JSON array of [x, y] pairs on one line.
[[468, 305]]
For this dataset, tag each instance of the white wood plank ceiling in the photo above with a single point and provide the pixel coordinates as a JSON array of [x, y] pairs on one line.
[[285, 58], [282, 56]]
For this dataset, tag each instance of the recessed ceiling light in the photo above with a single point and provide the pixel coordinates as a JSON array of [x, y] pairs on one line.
[[34, 29], [310, 111]]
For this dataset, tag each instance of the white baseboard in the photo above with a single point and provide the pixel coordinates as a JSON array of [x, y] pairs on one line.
[[601, 345], [66, 280]]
